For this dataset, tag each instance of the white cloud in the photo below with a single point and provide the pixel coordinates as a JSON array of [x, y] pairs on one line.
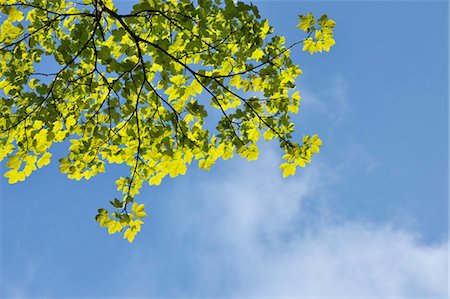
[[330, 102], [250, 233], [348, 260]]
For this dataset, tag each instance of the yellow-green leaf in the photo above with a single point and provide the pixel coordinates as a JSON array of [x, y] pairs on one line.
[[114, 226], [288, 169], [198, 88], [44, 160], [15, 15], [268, 135], [130, 234]]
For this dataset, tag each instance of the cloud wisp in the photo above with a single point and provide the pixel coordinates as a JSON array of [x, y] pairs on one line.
[[251, 234], [330, 103]]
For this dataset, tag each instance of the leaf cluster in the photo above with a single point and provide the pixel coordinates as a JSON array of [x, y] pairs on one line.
[[136, 88]]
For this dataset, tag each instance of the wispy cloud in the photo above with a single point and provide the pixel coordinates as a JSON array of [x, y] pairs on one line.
[[251, 233], [346, 260], [329, 103], [274, 256]]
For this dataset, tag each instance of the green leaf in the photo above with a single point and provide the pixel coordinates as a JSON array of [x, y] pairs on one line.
[[130, 234], [198, 88], [15, 15], [114, 226], [44, 160], [306, 22], [288, 169], [117, 203]]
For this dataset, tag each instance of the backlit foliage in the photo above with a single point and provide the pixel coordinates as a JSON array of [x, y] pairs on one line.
[[136, 87]]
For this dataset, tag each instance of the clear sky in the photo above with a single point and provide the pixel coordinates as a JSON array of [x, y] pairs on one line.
[[368, 218]]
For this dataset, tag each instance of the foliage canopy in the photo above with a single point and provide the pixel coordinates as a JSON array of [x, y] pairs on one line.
[[131, 88]]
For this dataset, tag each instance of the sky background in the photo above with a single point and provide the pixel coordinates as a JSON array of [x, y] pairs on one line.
[[368, 218]]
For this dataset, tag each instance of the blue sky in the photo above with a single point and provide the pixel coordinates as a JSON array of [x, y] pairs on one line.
[[368, 218]]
